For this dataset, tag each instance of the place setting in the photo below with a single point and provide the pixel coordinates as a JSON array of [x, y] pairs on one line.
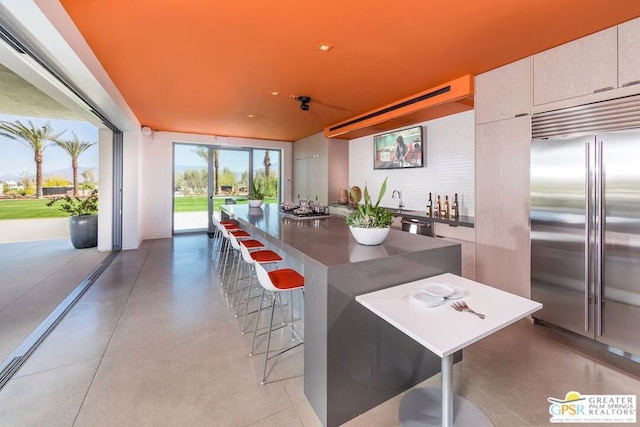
[[435, 294]]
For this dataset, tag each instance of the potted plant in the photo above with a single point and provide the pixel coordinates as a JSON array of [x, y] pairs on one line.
[[369, 223], [256, 196], [83, 218]]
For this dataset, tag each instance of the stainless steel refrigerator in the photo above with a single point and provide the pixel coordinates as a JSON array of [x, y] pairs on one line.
[[585, 221]]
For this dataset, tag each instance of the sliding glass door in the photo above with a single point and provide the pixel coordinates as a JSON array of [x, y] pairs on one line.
[[207, 176]]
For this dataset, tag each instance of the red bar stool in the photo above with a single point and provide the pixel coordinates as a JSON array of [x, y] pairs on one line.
[[217, 235], [262, 257], [227, 233], [276, 282], [265, 256]]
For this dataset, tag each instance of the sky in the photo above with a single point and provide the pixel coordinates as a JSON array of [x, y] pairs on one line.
[[16, 158], [236, 161]]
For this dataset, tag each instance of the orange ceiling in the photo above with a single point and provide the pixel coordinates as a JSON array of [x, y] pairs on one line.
[[205, 66]]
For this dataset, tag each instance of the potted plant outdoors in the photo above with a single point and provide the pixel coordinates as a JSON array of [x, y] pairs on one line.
[[83, 218], [369, 223], [256, 196]]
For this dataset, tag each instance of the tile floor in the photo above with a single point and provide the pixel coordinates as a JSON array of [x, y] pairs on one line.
[[34, 278], [153, 343]]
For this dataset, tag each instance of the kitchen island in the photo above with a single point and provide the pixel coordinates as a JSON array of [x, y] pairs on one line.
[[353, 360]]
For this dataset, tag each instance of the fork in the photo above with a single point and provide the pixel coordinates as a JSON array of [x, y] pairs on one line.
[[462, 306]]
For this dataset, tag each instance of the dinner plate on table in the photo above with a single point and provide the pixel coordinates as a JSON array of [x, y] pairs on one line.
[[423, 299], [439, 290], [458, 293]]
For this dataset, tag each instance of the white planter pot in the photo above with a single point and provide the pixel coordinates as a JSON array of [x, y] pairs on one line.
[[369, 236], [254, 203]]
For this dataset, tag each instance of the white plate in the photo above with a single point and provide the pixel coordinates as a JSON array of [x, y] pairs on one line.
[[438, 289], [419, 297], [458, 293]]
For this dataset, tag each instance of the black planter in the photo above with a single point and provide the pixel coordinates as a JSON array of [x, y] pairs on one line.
[[83, 230]]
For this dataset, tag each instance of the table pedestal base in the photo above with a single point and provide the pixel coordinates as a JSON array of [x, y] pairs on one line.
[[423, 407]]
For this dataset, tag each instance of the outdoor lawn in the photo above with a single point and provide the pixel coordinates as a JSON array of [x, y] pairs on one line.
[[28, 209], [199, 203], [37, 208]]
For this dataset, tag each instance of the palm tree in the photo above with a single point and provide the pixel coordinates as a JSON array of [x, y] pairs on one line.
[[34, 138], [74, 147], [267, 163]]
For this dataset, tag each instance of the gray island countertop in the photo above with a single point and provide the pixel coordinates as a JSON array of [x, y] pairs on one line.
[[353, 361]]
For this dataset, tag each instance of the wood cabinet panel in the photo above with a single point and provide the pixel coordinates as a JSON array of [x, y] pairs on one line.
[[505, 92], [458, 232], [502, 205], [576, 68], [629, 53]]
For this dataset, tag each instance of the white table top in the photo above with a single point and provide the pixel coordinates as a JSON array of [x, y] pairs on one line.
[[442, 329]]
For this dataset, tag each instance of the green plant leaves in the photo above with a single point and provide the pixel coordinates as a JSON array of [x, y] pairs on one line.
[[367, 215]]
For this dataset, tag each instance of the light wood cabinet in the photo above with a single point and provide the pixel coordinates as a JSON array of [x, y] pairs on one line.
[[505, 92], [320, 168], [466, 236], [629, 53], [502, 205], [577, 68]]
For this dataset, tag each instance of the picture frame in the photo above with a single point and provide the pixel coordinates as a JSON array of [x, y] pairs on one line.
[[399, 149]]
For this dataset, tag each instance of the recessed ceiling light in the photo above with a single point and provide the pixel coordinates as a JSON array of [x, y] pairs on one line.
[[325, 47], [250, 116], [275, 93]]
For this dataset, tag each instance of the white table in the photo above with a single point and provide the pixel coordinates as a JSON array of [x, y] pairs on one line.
[[444, 331]]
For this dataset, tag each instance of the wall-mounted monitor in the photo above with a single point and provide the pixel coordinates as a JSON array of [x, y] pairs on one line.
[[399, 149]]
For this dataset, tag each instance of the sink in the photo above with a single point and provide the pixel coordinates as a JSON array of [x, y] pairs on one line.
[[397, 211]]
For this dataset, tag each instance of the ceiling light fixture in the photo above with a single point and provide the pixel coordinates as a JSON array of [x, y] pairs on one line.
[[324, 47], [275, 93]]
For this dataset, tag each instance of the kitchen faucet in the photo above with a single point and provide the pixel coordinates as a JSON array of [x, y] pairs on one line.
[[393, 196]]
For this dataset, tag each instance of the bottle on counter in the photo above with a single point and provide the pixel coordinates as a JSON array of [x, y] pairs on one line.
[[429, 206], [446, 211], [455, 209], [438, 206]]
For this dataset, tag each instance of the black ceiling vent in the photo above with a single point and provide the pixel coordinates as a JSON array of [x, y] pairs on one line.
[[393, 107]]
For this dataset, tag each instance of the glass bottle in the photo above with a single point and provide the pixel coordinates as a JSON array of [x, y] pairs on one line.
[[429, 206], [455, 210], [438, 206], [446, 207]]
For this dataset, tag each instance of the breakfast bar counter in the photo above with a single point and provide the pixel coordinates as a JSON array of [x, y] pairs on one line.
[[353, 360]]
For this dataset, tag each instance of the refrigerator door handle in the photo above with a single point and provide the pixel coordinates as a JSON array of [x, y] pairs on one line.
[[587, 233], [599, 235]]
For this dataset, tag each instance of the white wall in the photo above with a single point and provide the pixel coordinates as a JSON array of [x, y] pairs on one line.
[[105, 185], [157, 168], [449, 166], [132, 189]]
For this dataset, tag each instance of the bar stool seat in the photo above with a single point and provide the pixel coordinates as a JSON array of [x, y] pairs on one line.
[[239, 233], [251, 243], [265, 255], [286, 279]]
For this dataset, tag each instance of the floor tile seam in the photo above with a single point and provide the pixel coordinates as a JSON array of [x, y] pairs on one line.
[[39, 283], [144, 345], [291, 399], [102, 356], [276, 413], [44, 371]]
